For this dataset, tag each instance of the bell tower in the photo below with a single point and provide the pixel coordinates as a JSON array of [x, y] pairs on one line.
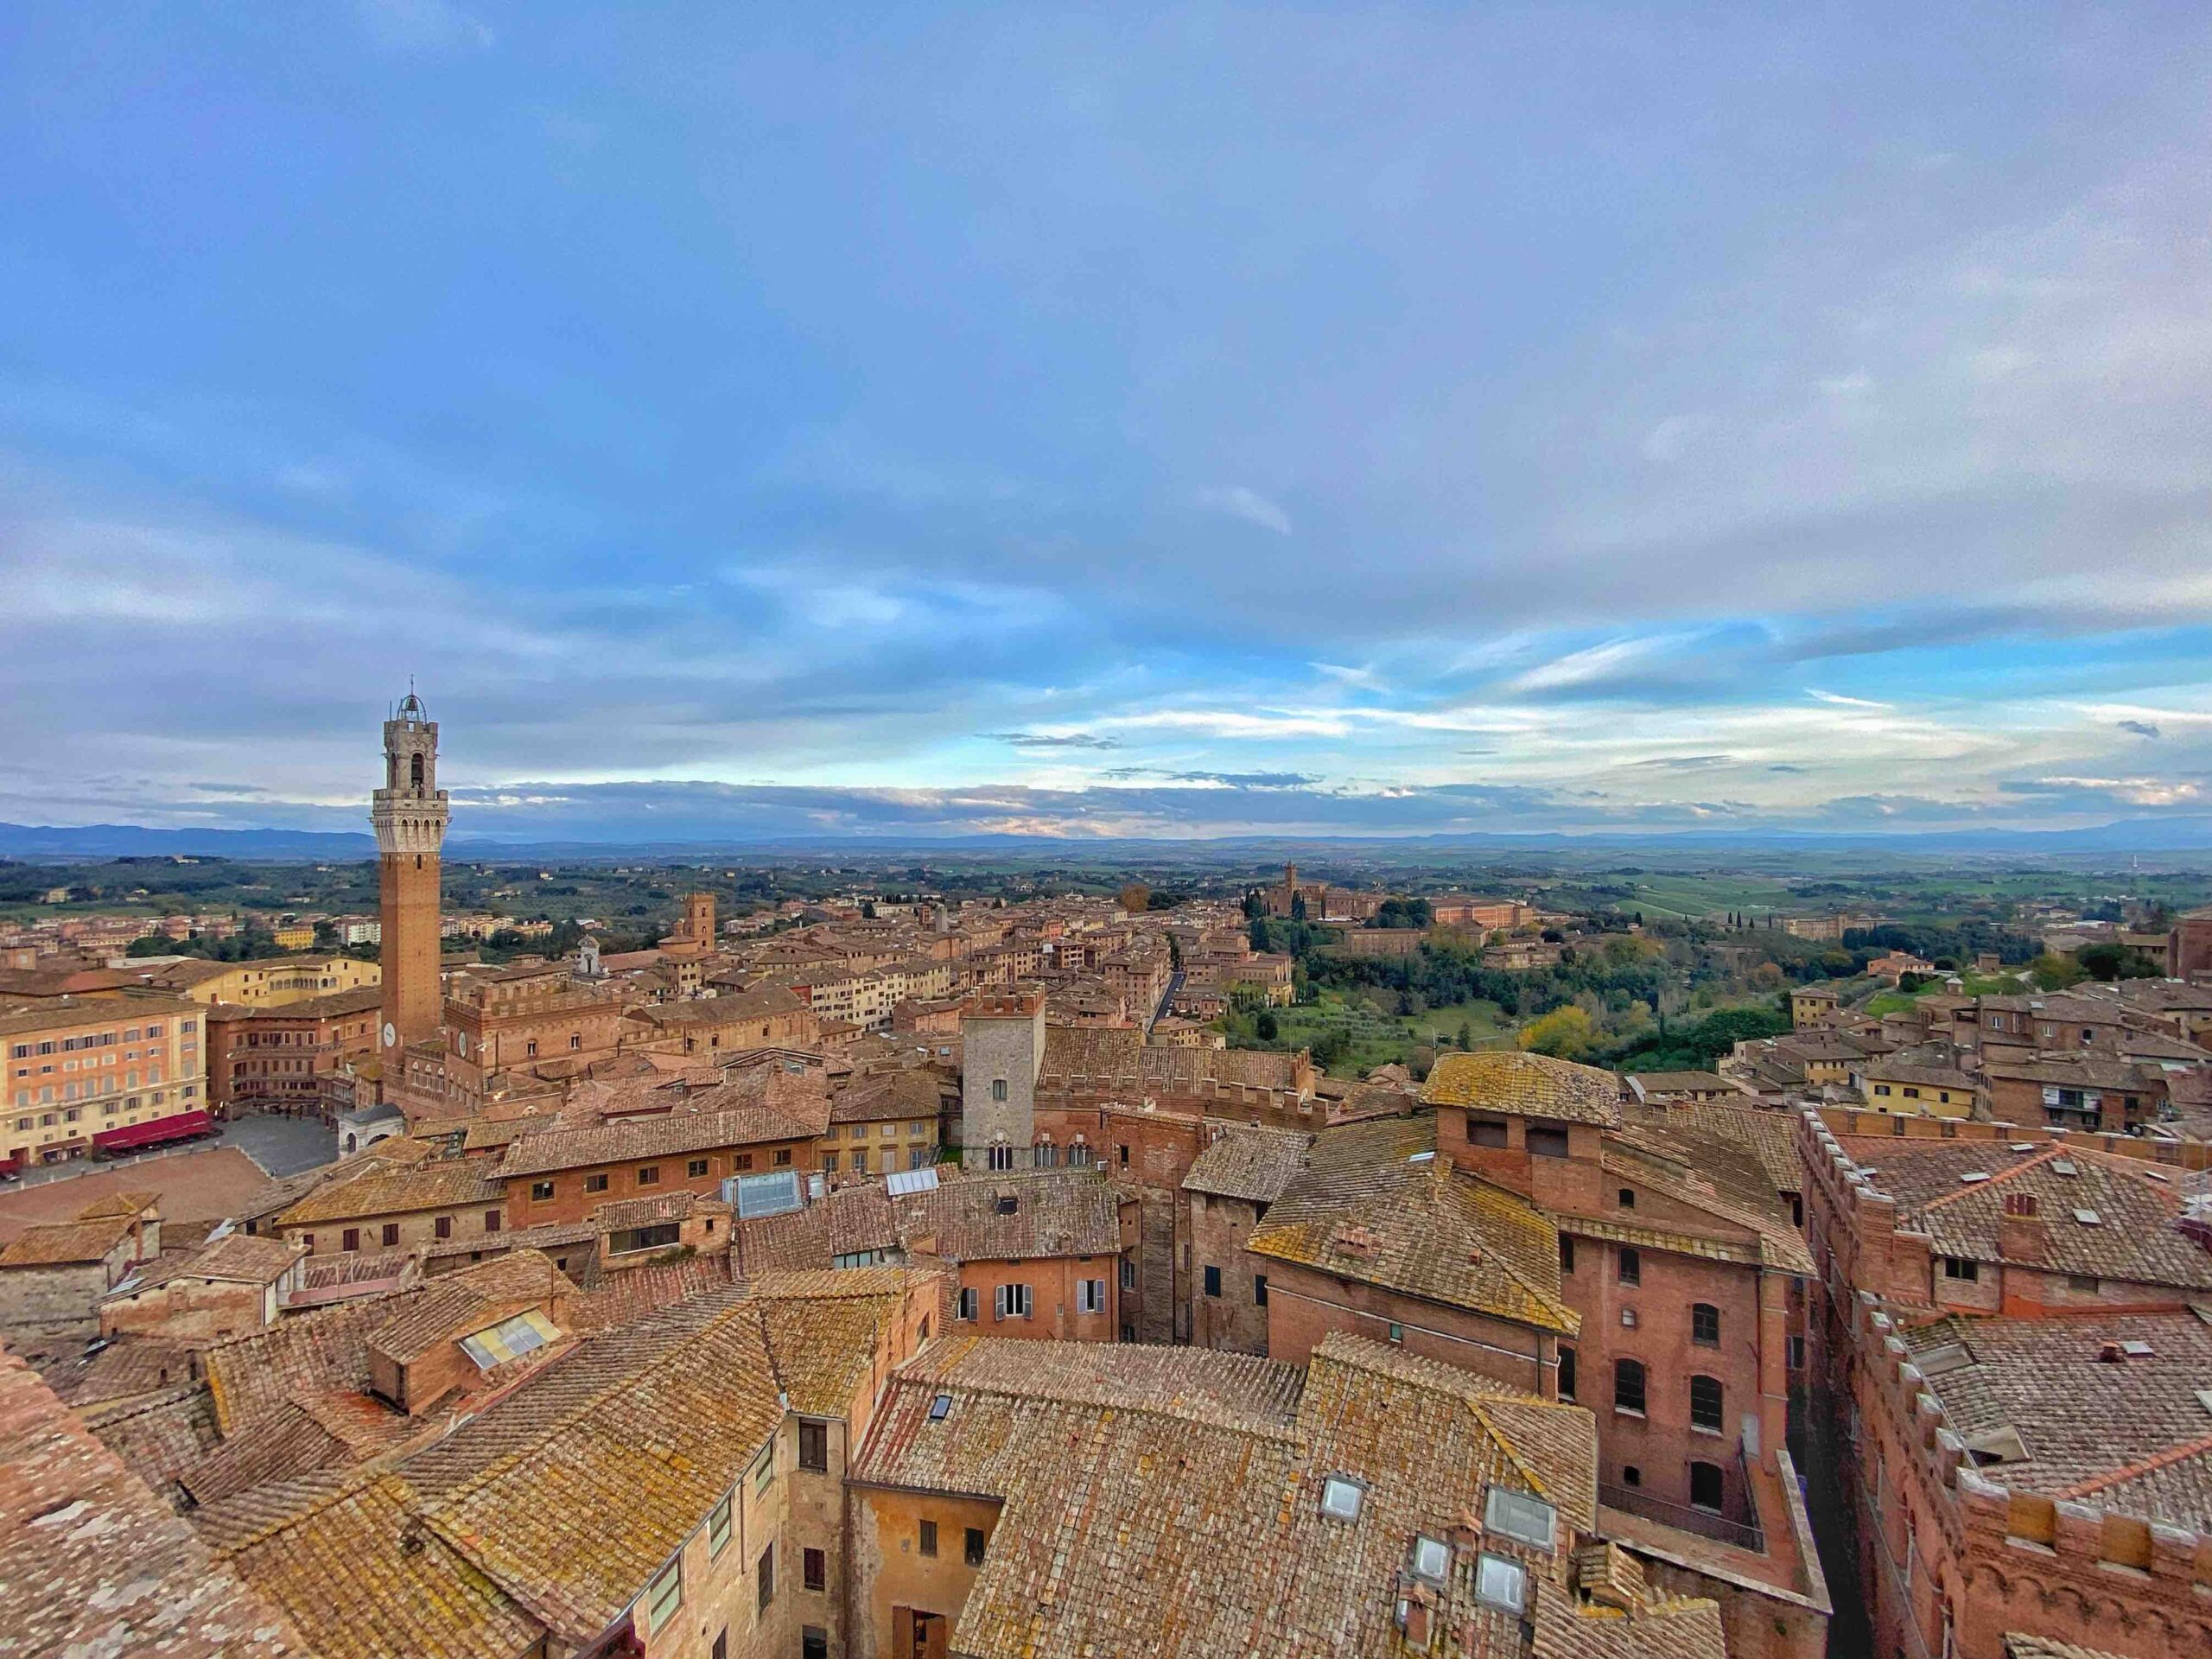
[[409, 814]]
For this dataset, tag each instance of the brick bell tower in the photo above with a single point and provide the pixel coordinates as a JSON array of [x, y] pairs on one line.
[[409, 814]]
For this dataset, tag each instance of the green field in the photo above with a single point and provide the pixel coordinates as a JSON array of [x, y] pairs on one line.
[[1376, 1040], [1895, 1002]]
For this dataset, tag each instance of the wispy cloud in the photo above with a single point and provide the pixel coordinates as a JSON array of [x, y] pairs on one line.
[[1250, 505]]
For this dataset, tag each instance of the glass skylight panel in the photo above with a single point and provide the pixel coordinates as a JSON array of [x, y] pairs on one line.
[[1340, 1498], [1502, 1583], [1518, 1514]]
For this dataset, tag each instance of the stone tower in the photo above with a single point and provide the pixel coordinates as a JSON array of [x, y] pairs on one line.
[[1002, 1049], [409, 814], [699, 918]]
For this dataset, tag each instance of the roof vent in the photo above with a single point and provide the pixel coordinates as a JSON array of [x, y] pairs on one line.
[[2110, 1353], [2002, 1445]]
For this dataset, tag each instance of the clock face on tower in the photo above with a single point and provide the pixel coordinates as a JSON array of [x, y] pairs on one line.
[[391, 1034]]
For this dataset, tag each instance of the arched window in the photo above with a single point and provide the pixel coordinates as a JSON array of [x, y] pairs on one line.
[[415, 771], [1628, 1385], [1706, 1401], [1705, 1324], [1048, 1156], [1705, 1487]]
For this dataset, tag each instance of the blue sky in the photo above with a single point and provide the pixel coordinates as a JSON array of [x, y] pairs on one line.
[[751, 419]]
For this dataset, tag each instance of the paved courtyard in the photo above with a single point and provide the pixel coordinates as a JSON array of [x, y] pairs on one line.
[[204, 1184]]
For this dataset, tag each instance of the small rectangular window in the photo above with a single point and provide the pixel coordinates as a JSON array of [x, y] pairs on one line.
[[718, 1527], [595, 1183], [1340, 1498], [541, 1192], [350, 1239], [814, 1569], [1547, 1142], [665, 1595], [1631, 1267], [696, 1168], [1501, 1583], [927, 1543], [975, 1547], [391, 1234], [649, 1175], [1431, 1559], [814, 1446], [1259, 1290], [1213, 1281], [765, 1574]]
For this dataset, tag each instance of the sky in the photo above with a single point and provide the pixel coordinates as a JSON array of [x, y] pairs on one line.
[[761, 421]]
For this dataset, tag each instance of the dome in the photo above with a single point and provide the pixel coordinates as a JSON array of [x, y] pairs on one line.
[[411, 707]]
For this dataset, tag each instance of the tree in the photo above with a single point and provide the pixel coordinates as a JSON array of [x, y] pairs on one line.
[[1257, 933], [1467, 1034], [1564, 1033], [2054, 972], [1297, 906], [149, 944], [1265, 1027], [1135, 898]]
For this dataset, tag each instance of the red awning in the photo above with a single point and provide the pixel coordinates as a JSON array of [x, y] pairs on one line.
[[179, 1127]]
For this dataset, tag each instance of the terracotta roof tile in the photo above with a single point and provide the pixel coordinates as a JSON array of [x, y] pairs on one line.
[[67, 1584], [1525, 1085], [1247, 1163], [1014, 1217], [1374, 1204]]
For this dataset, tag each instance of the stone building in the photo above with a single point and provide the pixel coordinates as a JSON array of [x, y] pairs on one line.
[[295, 1058]]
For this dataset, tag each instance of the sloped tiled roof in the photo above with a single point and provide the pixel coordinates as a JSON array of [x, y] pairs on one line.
[[2133, 1237], [394, 1192], [2128, 1434], [1249, 1163], [1374, 1204], [1207, 1468], [844, 1222], [1053, 1213], [1523, 1084], [67, 1243], [669, 1135], [91, 1562]]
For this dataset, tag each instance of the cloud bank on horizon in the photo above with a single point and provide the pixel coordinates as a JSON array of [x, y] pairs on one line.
[[1203, 421]]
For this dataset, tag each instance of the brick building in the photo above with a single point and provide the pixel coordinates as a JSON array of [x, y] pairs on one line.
[[295, 1057], [1037, 1253], [535, 1019], [2016, 1464], [1229, 1189]]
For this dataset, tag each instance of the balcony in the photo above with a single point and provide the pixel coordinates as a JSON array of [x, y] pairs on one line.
[[1683, 1517]]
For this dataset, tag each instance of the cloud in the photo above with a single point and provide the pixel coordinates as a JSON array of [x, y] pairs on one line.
[[2140, 727], [1250, 505], [1052, 740]]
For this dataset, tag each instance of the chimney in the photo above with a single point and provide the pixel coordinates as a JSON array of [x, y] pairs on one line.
[[2022, 1235]]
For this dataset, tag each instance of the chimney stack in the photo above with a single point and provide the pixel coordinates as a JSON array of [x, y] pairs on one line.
[[2022, 1234]]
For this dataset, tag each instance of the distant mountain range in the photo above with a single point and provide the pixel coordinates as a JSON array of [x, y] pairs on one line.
[[96, 841]]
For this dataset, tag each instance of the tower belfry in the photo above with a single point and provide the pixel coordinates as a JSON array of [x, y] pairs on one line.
[[409, 814]]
